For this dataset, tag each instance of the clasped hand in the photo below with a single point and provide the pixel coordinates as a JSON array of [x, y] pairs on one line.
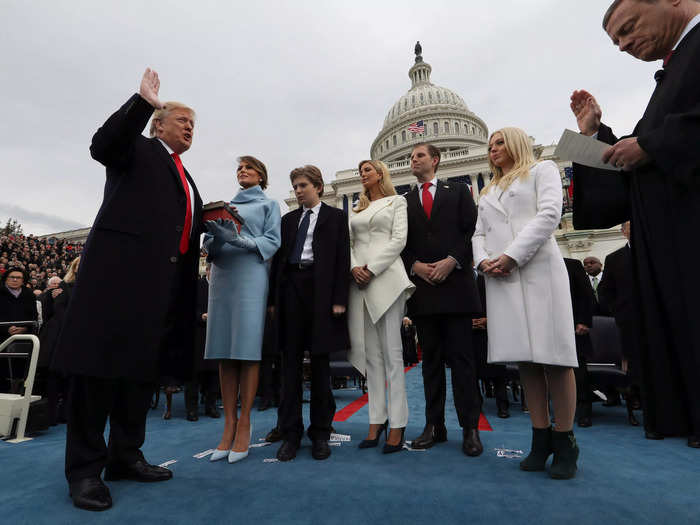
[[501, 266], [362, 276], [435, 272], [222, 230]]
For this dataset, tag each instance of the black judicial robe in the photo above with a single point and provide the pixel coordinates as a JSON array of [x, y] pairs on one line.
[[662, 199]]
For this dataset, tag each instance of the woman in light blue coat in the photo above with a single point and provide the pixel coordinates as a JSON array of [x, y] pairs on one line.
[[237, 300]]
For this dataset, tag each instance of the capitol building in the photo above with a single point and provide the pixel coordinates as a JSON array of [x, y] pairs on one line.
[[462, 138]]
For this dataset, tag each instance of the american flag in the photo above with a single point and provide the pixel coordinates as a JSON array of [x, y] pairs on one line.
[[417, 127]]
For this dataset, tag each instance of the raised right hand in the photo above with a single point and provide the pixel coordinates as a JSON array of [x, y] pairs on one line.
[[587, 112], [150, 84]]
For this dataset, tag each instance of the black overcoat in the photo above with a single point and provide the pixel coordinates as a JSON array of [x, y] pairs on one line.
[[662, 200], [582, 302], [116, 319], [331, 249], [53, 312], [448, 232], [20, 308]]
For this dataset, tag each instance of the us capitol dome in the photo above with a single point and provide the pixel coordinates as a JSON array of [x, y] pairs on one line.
[[431, 113]]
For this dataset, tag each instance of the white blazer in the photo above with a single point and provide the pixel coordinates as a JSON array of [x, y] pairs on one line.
[[377, 236], [529, 312]]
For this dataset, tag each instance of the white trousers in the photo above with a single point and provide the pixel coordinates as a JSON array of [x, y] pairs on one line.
[[384, 355]]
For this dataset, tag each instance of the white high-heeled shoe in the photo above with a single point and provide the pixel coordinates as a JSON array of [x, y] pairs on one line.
[[233, 457], [218, 454]]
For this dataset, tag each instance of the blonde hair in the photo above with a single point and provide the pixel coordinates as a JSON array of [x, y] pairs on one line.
[[161, 114], [386, 187], [72, 272], [519, 148]]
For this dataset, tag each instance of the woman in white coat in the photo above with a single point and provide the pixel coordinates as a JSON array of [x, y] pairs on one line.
[[378, 231], [527, 289]]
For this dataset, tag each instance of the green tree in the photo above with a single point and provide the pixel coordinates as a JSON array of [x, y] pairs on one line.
[[12, 227]]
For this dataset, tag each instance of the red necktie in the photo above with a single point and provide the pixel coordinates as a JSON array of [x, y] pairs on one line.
[[185, 239], [427, 199]]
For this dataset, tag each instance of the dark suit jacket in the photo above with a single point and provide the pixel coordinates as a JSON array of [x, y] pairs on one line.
[[20, 308], [617, 290], [582, 301], [116, 319], [331, 248], [448, 232]]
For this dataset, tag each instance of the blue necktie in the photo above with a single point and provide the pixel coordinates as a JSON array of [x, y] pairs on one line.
[[295, 258]]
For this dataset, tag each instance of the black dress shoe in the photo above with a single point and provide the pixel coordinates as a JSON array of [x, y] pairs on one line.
[[320, 449], [632, 420], [694, 441], [287, 451], [585, 421], [211, 411], [192, 416], [471, 445], [138, 471], [431, 434], [274, 435], [652, 434], [90, 494], [503, 413]]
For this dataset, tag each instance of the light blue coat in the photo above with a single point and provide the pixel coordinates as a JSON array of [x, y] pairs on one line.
[[238, 284]]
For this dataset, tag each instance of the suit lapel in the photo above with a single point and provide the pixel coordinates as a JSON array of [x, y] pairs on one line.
[[440, 195], [414, 204], [165, 156], [493, 198]]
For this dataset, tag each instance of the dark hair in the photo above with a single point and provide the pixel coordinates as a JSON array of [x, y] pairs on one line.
[[432, 151], [11, 270], [310, 172], [614, 6], [257, 166]]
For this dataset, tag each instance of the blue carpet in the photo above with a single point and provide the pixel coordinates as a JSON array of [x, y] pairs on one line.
[[622, 477]]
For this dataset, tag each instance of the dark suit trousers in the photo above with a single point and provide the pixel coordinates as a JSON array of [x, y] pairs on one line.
[[297, 296], [584, 395], [90, 401], [448, 338], [208, 382]]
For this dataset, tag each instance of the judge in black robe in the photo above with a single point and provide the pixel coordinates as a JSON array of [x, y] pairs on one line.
[[659, 190]]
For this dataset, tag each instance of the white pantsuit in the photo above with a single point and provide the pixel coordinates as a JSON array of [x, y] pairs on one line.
[[529, 311], [377, 237]]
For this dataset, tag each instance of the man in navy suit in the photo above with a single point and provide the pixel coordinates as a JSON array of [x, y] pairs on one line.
[[132, 314]]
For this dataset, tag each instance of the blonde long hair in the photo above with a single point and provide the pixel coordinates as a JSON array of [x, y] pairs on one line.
[[519, 148], [386, 187], [72, 271]]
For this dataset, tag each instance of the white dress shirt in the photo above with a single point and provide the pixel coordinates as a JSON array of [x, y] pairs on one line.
[[693, 22], [599, 277], [431, 189], [307, 254], [189, 186]]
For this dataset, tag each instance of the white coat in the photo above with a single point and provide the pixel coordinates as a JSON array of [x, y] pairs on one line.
[[377, 236], [529, 313]]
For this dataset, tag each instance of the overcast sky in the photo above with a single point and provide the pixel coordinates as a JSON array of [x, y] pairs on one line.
[[292, 82]]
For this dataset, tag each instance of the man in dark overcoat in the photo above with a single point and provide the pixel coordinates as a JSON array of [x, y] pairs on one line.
[[437, 256], [131, 316], [310, 282], [582, 304], [659, 191]]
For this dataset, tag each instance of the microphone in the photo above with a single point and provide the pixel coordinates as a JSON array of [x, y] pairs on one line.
[[659, 75]]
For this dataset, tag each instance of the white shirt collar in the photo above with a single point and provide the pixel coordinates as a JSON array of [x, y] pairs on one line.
[[693, 22], [167, 148], [432, 182], [314, 209]]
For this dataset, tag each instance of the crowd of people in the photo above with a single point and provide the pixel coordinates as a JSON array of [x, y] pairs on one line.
[[321, 281]]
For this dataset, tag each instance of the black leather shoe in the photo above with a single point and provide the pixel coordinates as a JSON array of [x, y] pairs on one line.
[[274, 435], [211, 411], [632, 420], [471, 445], [694, 441], [431, 434], [138, 471], [90, 494], [320, 449], [585, 421], [652, 434], [503, 412], [287, 451], [192, 416]]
